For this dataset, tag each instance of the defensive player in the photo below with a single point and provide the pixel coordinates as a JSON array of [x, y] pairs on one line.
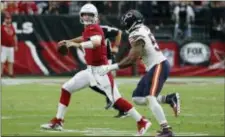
[[112, 48], [144, 46], [92, 40]]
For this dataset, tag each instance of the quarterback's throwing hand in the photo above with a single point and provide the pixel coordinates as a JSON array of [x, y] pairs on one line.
[[62, 42], [73, 44]]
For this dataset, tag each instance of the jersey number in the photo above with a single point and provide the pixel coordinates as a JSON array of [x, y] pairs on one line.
[[154, 43]]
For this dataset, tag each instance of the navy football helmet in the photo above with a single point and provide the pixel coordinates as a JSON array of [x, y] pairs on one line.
[[130, 19]]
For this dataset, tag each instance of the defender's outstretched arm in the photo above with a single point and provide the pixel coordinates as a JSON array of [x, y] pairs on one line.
[[134, 54]]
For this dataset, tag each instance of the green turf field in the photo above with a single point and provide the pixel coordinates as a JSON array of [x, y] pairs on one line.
[[26, 106]]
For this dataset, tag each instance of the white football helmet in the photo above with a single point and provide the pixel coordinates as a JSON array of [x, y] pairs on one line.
[[92, 13]]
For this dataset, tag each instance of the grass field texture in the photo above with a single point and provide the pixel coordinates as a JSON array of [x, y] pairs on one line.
[[28, 103]]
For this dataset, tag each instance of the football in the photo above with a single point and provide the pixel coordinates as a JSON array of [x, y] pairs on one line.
[[63, 50]]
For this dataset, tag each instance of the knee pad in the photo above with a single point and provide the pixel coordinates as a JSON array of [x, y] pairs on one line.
[[140, 101]]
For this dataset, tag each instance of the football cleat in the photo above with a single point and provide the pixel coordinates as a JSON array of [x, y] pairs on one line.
[[175, 103], [108, 105], [54, 124], [143, 125], [165, 132]]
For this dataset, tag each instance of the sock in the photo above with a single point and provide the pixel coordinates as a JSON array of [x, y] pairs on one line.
[[125, 106], [61, 111], [157, 110], [161, 99], [63, 103], [134, 114]]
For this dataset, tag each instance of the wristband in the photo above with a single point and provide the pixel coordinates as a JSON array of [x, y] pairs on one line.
[[87, 44]]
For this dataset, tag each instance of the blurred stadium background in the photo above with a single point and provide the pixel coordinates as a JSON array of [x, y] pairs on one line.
[[195, 50]]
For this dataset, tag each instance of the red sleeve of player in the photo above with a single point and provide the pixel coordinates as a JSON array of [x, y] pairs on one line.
[[96, 30]]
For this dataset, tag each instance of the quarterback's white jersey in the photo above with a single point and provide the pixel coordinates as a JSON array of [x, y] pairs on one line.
[[151, 55]]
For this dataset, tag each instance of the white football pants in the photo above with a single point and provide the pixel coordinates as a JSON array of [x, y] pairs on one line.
[[90, 77]]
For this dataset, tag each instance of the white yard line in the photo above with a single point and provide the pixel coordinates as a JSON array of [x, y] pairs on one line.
[[118, 133], [111, 115], [190, 134], [199, 81], [111, 132], [105, 131]]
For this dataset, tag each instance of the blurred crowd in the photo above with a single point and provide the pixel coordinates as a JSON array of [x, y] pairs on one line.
[[155, 12], [148, 8], [35, 7], [107, 7]]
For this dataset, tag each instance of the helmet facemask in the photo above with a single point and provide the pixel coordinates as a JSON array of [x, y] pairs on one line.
[[127, 27], [88, 18]]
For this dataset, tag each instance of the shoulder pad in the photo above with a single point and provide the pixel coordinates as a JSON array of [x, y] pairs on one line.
[[136, 35]]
